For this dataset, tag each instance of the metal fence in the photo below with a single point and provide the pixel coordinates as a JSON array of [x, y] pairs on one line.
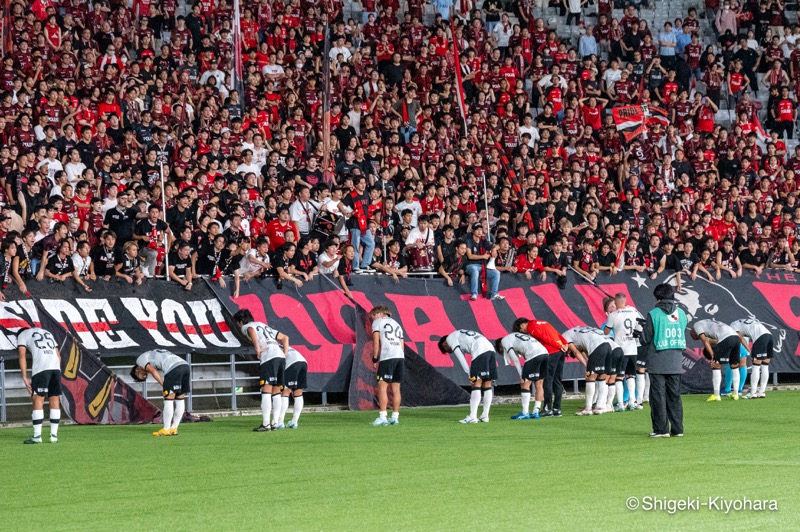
[[222, 383]]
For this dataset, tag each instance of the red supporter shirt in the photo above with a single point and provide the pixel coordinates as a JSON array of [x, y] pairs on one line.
[[547, 335]]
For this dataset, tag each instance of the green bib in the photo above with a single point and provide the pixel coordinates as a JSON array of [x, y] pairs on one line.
[[669, 329]]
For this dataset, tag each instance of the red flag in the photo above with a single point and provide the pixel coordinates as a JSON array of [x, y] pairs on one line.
[[636, 120]]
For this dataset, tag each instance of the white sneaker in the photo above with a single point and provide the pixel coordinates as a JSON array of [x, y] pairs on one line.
[[484, 419], [761, 395], [639, 406], [749, 396], [380, 422], [583, 412], [469, 420], [598, 411]]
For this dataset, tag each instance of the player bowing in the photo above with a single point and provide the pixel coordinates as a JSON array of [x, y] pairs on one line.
[[388, 356], [295, 381], [45, 379], [272, 355], [721, 345], [174, 383], [760, 352], [482, 371], [534, 370], [601, 352]]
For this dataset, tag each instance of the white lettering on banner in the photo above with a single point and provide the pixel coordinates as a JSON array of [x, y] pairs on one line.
[[145, 312], [174, 313], [70, 318], [200, 310], [12, 318], [104, 325]]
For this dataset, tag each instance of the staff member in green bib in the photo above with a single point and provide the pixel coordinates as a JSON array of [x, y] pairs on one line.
[[664, 335]]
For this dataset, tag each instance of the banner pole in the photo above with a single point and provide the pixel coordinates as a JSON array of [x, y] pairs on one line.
[[164, 213], [2, 391], [588, 280]]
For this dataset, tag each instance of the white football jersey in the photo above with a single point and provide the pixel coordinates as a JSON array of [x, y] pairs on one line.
[[623, 323], [161, 359], [714, 329], [517, 345], [588, 338], [267, 340], [42, 347], [293, 357], [391, 338], [469, 342], [750, 327]]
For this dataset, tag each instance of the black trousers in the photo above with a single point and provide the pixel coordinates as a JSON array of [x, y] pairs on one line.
[[666, 407], [553, 387]]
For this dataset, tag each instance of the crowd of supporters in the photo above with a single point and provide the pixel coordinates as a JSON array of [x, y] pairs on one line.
[[103, 106]]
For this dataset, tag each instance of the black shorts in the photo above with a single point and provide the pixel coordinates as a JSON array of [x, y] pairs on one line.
[[177, 381], [597, 360], [295, 377], [535, 368], [614, 362], [641, 357], [483, 367], [271, 372], [628, 365], [763, 347], [391, 370], [46, 383], [727, 351]]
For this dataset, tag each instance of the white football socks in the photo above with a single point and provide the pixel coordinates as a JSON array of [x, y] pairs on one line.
[[620, 389], [526, 402], [488, 394], [716, 380], [537, 405], [630, 384], [640, 380], [266, 408], [168, 412], [55, 419], [762, 388], [297, 409], [284, 408], [602, 395], [37, 417], [180, 408], [474, 402], [591, 386], [736, 380], [755, 375], [276, 408], [646, 393]]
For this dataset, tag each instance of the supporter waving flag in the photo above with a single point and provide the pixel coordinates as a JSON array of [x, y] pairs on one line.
[[635, 120]]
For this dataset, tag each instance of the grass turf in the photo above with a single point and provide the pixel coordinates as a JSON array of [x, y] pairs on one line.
[[429, 473]]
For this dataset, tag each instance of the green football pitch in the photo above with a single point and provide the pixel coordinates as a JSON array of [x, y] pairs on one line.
[[336, 472]]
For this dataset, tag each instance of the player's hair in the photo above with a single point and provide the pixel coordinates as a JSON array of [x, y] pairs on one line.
[[243, 316], [518, 323], [134, 376], [442, 343], [664, 291], [619, 296], [498, 345], [606, 302], [380, 309]]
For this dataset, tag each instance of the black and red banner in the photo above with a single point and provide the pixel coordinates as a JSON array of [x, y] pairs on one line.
[[321, 322], [121, 319]]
